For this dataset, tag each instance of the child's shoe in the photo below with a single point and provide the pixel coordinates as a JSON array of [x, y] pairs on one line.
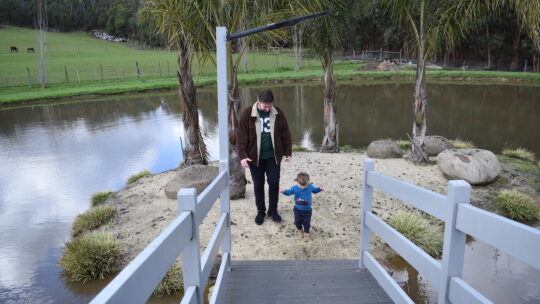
[[301, 233], [306, 237]]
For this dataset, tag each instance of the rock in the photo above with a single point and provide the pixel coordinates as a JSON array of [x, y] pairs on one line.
[[384, 149], [388, 66], [198, 177], [433, 145], [475, 166]]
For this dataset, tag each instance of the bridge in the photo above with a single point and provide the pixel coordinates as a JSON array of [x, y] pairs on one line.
[[362, 280]]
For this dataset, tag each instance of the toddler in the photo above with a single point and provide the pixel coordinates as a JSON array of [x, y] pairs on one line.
[[302, 203]]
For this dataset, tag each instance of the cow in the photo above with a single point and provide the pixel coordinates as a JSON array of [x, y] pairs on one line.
[[13, 49], [31, 50]]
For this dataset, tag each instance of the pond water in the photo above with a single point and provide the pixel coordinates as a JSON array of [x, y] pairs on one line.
[[53, 157]]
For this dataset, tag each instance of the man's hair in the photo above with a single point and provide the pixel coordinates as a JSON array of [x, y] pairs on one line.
[[266, 96], [302, 178]]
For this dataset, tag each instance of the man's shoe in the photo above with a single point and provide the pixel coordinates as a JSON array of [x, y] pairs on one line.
[[259, 219], [274, 215]]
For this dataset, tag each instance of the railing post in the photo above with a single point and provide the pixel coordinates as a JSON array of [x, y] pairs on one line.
[[191, 258], [221, 56], [367, 198], [459, 192]]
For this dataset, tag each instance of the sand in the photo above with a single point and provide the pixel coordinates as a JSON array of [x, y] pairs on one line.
[[144, 211]]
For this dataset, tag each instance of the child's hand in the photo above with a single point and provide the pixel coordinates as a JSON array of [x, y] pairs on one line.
[[322, 189], [282, 191]]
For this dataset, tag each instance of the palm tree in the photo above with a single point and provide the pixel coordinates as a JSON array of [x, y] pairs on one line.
[[323, 38], [434, 22], [179, 20]]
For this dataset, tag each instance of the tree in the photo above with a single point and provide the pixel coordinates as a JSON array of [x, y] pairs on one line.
[[434, 22], [179, 20], [323, 38]]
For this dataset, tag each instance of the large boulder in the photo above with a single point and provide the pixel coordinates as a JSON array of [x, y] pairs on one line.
[[384, 149], [475, 166], [433, 145], [198, 177]]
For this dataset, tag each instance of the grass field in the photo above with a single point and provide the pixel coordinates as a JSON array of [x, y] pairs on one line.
[[99, 67]]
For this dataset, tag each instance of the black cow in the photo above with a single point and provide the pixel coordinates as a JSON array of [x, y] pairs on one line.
[[31, 50], [13, 49]]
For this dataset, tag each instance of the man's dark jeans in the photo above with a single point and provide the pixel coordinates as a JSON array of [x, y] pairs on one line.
[[302, 218], [271, 169]]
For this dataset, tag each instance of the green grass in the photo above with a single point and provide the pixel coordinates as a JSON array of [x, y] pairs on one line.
[[349, 148], [77, 51], [91, 219], [519, 165], [136, 177], [517, 206], [404, 144], [297, 148], [463, 144], [171, 284], [99, 198], [92, 256], [520, 153], [419, 231]]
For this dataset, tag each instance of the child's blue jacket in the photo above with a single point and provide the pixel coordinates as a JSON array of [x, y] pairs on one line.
[[301, 195]]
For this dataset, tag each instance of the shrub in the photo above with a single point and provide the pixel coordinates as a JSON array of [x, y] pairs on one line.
[[92, 256], [517, 206], [136, 177], [419, 231], [99, 198], [297, 148], [171, 284], [519, 153], [463, 144], [92, 218], [404, 144], [349, 148]]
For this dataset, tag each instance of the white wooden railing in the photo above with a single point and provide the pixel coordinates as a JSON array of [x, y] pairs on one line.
[[460, 218]]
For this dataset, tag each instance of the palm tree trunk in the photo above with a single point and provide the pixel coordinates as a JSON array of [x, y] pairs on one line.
[[237, 174], [488, 48], [195, 152], [515, 57], [330, 140], [420, 97]]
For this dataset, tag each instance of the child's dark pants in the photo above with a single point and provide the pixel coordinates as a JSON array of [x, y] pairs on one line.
[[302, 218]]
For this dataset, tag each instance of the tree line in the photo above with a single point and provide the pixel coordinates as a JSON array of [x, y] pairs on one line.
[[498, 40]]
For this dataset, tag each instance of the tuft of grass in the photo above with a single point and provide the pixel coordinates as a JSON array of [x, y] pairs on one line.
[[349, 148], [92, 218], [297, 148], [419, 231], [99, 198], [519, 153], [463, 144], [92, 256], [404, 144], [517, 206], [136, 177], [171, 283]]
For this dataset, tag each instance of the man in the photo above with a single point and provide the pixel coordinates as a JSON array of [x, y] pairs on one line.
[[263, 141]]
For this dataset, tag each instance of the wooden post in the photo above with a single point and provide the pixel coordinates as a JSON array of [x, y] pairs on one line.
[[367, 199], [137, 69], [459, 192], [353, 54], [101, 70], [191, 259], [66, 72], [29, 79], [168, 74], [159, 67], [78, 77], [525, 66]]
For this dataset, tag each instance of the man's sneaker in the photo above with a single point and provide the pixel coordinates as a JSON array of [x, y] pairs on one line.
[[274, 215], [259, 219]]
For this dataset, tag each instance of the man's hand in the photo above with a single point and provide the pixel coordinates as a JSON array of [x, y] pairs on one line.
[[288, 158], [244, 162]]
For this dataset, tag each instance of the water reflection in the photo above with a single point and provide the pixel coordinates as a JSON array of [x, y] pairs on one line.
[[52, 158]]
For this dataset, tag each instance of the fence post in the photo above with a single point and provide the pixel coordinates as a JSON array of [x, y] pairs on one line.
[[29, 79], [101, 70], [367, 198], [191, 259], [138, 71], [459, 192], [67, 77]]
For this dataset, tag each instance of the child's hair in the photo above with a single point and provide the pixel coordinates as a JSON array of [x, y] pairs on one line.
[[302, 178]]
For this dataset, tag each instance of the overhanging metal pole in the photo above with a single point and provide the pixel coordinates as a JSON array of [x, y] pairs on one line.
[[221, 58]]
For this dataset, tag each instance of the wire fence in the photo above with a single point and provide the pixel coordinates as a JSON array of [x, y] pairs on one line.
[[260, 60]]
